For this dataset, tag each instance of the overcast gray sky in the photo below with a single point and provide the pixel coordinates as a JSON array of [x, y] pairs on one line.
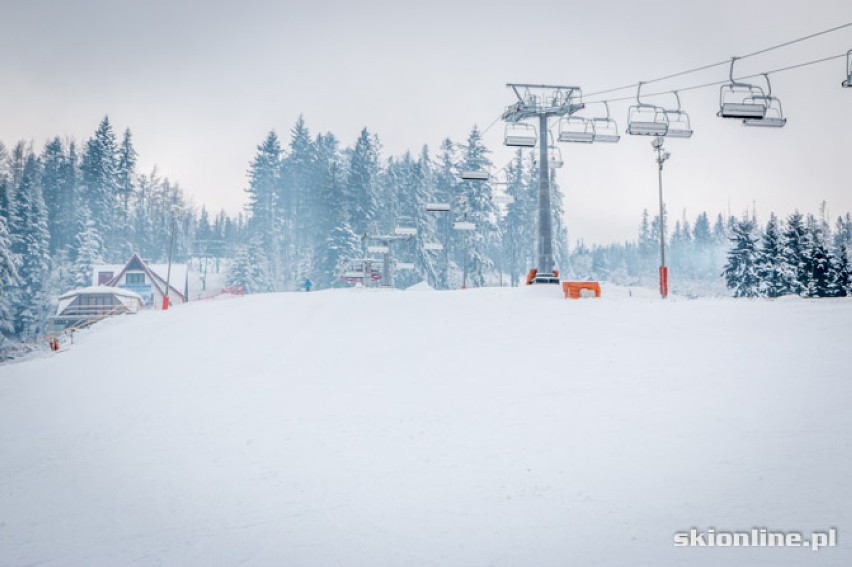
[[200, 84]]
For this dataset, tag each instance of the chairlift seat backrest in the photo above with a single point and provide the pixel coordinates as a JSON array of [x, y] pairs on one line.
[[520, 135], [773, 118], [741, 100], [742, 110], [576, 130], [647, 120], [606, 130], [475, 174], [554, 157]]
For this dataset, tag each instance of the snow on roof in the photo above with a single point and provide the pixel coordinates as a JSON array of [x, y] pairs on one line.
[[101, 290]]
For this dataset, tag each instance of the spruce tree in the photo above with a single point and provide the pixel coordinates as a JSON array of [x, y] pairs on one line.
[[793, 243], [31, 242], [841, 272], [480, 209], [125, 184], [53, 162], [342, 247], [518, 222], [265, 221], [100, 179], [770, 262], [818, 263], [240, 271], [10, 284], [361, 183], [89, 248], [741, 270]]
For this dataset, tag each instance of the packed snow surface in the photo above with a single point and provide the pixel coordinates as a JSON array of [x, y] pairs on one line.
[[479, 427]]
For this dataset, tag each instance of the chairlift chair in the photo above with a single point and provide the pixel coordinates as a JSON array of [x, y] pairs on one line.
[[679, 126], [848, 82], [741, 100], [645, 119], [463, 225], [774, 116], [554, 157], [475, 175], [520, 134], [576, 129], [606, 129], [405, 226]]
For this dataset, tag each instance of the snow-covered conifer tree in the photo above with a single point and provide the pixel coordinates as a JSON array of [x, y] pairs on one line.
[[793, 255], [480, 209], [741, 270], [31, 241], [770, 262], [9, 284], [88, 247]]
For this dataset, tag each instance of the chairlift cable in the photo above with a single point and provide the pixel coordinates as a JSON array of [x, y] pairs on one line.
[[720, 63], [717, 83], [496, 120], [791, 42]]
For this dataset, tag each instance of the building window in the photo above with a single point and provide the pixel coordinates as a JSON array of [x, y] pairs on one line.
[[136, 279], [104, 277]]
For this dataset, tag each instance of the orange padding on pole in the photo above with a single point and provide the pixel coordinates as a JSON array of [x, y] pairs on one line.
[[531, 276], [664, 281], [573, 289]]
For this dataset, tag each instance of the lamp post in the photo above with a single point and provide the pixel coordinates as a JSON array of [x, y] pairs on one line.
[[662, 156], [175, 211]]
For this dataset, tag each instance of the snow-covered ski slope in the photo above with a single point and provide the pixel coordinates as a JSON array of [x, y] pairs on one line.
[[466, 428]]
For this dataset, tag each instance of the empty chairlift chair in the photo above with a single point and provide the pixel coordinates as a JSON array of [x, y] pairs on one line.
[[645, 119], [741, 100], [554, 157], [474, 175], [774, 116], [405, 226], [576, 129], [606, 129], [848, 82], [521, 135], [679, 126]]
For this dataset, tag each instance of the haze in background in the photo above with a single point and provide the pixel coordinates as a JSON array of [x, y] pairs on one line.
[[201, 83]]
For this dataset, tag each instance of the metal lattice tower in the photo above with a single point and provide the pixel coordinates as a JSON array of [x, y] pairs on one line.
[[543, 102]]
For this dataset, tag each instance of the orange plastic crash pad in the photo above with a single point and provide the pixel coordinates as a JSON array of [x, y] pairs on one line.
[[573, 290]]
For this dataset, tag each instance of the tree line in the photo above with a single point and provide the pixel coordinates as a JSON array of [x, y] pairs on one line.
[[311, 203]]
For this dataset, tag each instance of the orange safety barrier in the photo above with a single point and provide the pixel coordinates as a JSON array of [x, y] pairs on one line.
[[573, 290], [531, 276]]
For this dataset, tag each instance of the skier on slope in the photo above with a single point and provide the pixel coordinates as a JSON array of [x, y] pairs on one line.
[[308, 284]]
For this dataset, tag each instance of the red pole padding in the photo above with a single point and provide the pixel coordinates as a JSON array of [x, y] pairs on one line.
[[664, 281], [165, 302]]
